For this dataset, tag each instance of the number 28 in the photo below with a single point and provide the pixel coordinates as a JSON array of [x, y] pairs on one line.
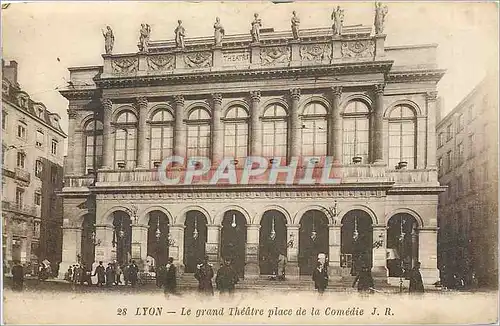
[[121, 311]]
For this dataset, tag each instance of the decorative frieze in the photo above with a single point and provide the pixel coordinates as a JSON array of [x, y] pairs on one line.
[[161, 62], [358, 49], [198, 59], [125, 65], [270, 56], [236, 57], [315, 52]]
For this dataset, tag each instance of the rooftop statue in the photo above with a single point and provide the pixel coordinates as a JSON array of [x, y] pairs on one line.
[[218, 32], [109, 40], [295, 25], [338, 21], [145, 33], [380, 13], [180, 32], [255, 31]]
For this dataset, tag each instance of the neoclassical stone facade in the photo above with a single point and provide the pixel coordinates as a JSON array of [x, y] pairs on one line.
[[369, 107]]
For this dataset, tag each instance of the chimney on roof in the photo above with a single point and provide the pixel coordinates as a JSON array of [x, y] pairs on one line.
[[10, 71]]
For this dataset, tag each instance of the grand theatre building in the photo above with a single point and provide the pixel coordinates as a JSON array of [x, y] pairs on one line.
[[369, 107]]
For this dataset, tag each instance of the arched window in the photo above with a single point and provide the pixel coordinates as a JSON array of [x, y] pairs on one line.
[[93, 145], [314, 130], [274, 131], [402, 138], [162, 136], [198, 133], [356, 129], [126, 140], [236, 133]]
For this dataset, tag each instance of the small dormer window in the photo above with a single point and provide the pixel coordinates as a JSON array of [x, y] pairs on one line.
[[23, 102], [40, 112]]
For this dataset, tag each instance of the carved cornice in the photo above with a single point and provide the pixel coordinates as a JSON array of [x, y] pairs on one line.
[[431, 75], [217, 98], [106, 103], [244, 75], [82, 94], [295, 94], [255, 96], [337, 91], [179, 100]]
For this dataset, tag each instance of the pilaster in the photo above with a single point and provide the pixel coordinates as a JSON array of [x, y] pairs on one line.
[[70, 159], [72, 246], [139, 243], [379, 254], [217, 129], [427, 252], [431, 130], [295, 130], [179, 127], [292, 266], [255, 125], [334, 270], [104, 234], [252, 269], [213, 240], [378, 143], [141, 104], [107, 150], [421, 143], [255, 54], [335, 141], [176, 250]]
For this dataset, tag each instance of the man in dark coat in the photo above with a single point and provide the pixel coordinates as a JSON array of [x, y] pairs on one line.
[[364, 280], [133, 270], [320, 277], [204, 274], [226, 278], [100, 272], [110, 275], [416, 284], [17, 277], [170, 277]]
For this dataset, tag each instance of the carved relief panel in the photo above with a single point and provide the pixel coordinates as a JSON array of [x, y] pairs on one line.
[[124, 65], [198, 59], [358, 49], [315, 52], [275, 55], [161, 62]]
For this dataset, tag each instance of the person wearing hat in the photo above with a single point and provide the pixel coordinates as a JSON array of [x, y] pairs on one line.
[[204, 274], [226, 278], [364, 280], [17, 276], [170, 277], [100, 272], [320, 277]]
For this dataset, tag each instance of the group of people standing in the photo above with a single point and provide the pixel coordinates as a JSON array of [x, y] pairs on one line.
[[113, 274], [225, 280]]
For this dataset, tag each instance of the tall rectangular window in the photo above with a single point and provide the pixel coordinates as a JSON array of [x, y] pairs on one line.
[[54, 147], [314, 137], [274, 136], [441, 139], [38, 198], [235, 140], [448, 161], [460, 153], [21, 131], [198, 140], [39, 138], [356, 138], [448, 132], [38, 168], [19, 197], [21, 160], [461, 122], [440, 165], [472, 144]]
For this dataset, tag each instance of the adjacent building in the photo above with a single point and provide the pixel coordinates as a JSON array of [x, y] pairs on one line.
[[32, 158], [468, 167], [369, 107]]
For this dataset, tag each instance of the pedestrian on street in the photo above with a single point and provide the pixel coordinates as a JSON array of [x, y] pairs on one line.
[[170, 277], [133, 270], [118, 275], [416, 284], [204, 274], [110, 277], [125, 274], [68, 276], [226, 278], [100, 272], [320, 278], [281, 266], [17, 276], [364, 280]]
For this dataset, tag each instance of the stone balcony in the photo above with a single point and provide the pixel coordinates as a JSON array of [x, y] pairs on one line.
[[78, 183], [22, 174], [19, 208]]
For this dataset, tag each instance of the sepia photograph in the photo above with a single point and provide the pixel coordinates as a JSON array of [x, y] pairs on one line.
[[249, 162]]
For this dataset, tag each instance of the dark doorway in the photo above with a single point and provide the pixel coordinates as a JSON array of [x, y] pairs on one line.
[[402, 244], [122, 237], [195, 238], [313, 240], [88, 241], [234, 238], [272, 241], [158, 237], [357, 240]]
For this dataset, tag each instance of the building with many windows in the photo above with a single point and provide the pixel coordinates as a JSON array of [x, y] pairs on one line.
[[32, 158], [369, 107], [468, 166]]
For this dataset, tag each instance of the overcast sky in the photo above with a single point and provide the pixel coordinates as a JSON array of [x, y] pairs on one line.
[[47, 38]]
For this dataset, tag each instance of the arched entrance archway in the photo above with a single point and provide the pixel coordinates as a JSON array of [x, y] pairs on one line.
[[402, 244], [158, 246], [272, 241], [122, 237], [313, 240], [233, 239], [356, 240], [87, 244], [195, 238]]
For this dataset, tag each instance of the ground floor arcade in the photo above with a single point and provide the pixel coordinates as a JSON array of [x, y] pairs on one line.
[[388, 234]]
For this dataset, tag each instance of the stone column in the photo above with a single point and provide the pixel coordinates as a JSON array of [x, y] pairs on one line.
[[292, 266], [334, 270], [378, 142], [104, 234], [71, 248], [295, 127], [212, 246], [252, 269], [78, 152], [70, 159], [427, 252], [421, 143], [141, 104], [107, 150], [217, 130], [176, 250], [179, 127], [431, 130], [255, 125], [379, 254], [139, 244], [335, 141]]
